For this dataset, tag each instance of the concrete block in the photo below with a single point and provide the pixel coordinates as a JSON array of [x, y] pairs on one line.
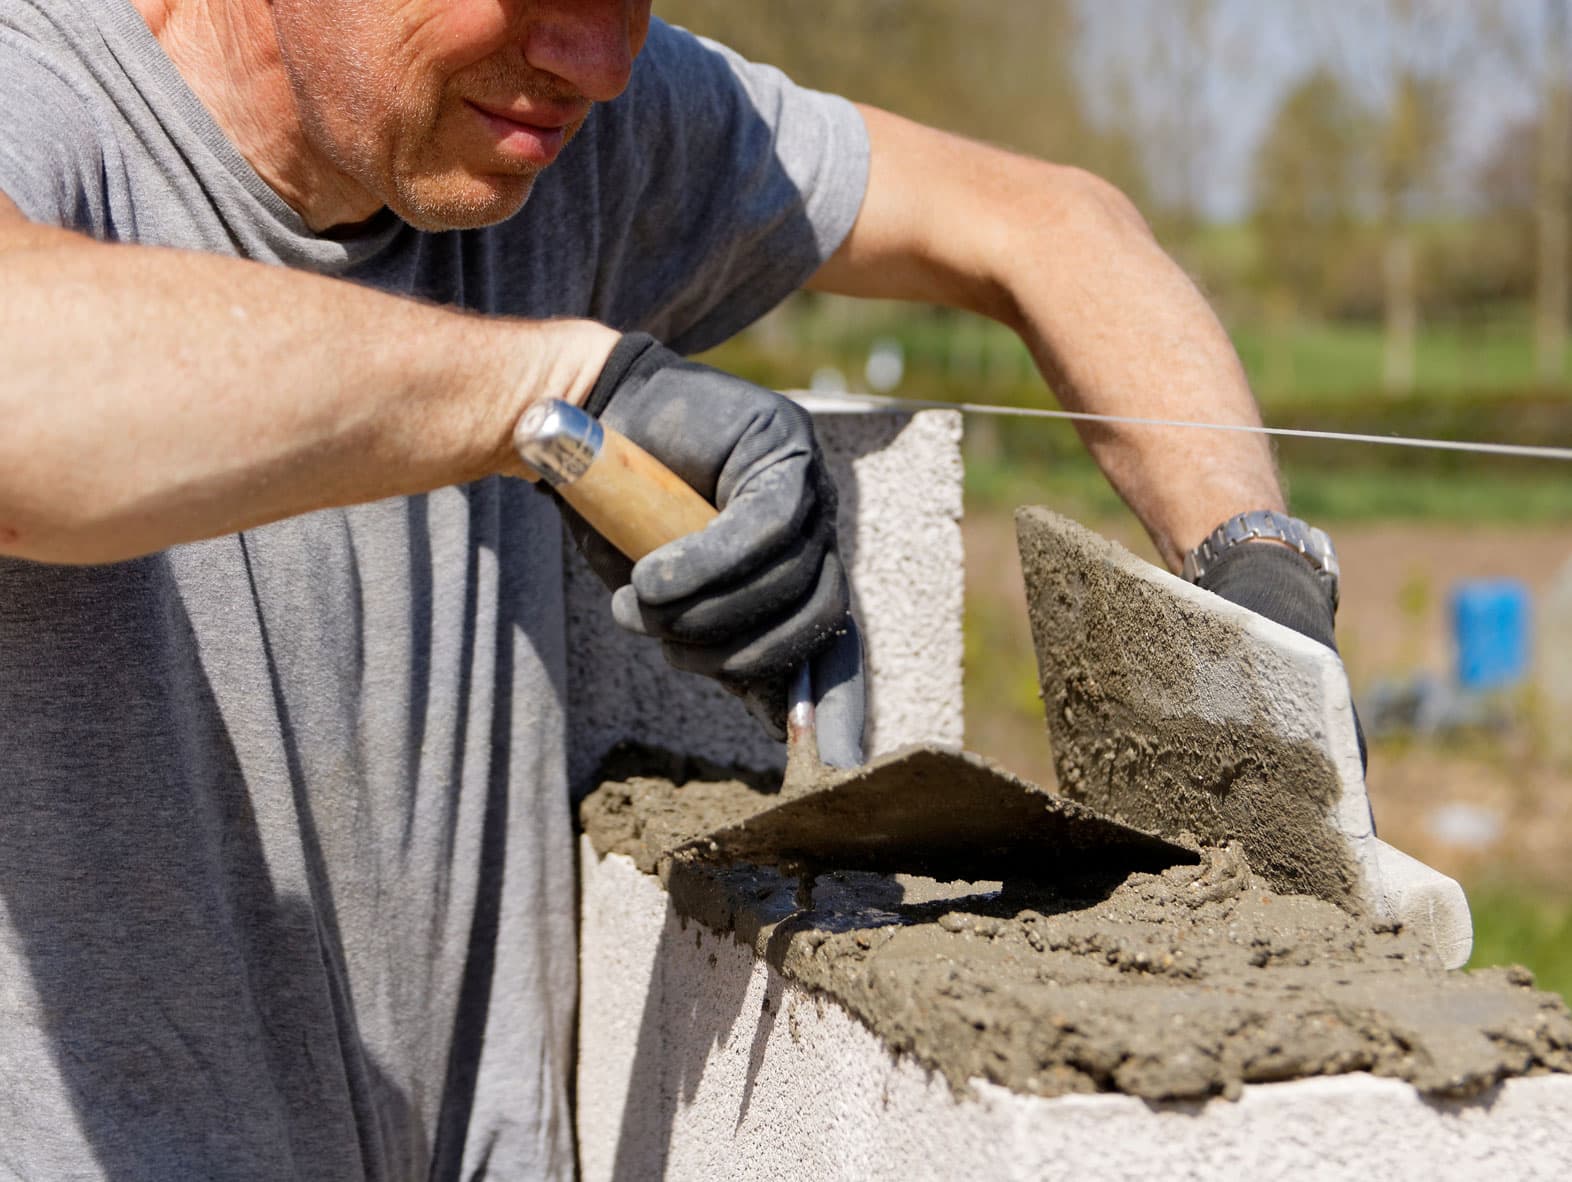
[[899, 477], [1174, 710], [699, 1061]]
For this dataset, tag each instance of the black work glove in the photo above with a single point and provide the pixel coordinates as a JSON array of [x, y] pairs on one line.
[[1277, 583], [762, 588]]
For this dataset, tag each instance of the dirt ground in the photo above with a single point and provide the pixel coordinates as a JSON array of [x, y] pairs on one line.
[[1513, 808]]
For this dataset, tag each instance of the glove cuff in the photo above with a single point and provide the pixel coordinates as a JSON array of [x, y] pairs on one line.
[[1283, 586], [624, 356], [1275, 582]]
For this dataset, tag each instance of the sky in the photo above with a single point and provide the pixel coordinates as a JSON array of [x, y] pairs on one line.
[[1131, 59]]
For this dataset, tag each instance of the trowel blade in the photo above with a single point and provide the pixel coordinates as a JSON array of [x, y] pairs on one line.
[[944, 813]]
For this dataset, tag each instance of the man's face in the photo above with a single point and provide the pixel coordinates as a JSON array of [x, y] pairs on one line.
[[447, 110]]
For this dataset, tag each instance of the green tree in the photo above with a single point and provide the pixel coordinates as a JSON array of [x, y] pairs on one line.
[[1000, 71], [1406, 57], [1553, 196], [1308, 175], [1527, 182]]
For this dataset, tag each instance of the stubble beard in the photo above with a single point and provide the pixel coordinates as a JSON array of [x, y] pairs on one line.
[[410, 141], [398, 131], [431, 181], [450, 198]]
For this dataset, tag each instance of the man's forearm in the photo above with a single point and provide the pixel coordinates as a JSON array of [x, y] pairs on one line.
[[1119, 329], [1114, 324], [151, 397]]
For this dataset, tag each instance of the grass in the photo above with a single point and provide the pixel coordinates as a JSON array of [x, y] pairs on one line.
[[1490, 351], [1476, 382], [1517, 924], [1534, 494], [1341, 361], [1482, 498]]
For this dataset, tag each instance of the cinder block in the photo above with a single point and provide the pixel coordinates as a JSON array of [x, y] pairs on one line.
[[698, 1061]]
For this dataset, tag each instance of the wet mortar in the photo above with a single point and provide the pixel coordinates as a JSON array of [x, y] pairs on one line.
[[1127, 739], [1175, 985]]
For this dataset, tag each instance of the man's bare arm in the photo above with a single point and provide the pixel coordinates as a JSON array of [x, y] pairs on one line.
[[1114, 324], [152, 396]]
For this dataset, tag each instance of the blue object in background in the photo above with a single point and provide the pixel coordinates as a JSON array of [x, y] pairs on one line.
[[1490, 633]]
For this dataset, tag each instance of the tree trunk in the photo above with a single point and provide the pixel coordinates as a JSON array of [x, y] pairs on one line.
[[1402, 310], [1553, 196]]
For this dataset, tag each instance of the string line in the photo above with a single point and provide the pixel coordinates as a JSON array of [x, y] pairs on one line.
[[1519, 450]]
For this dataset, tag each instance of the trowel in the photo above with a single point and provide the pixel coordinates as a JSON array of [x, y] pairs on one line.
[[923, 809]]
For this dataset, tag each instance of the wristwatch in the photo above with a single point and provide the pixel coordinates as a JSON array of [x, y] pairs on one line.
[[1313, 544]]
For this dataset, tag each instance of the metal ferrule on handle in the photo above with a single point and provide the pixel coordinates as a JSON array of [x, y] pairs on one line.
[[558, 440], [626, 495]]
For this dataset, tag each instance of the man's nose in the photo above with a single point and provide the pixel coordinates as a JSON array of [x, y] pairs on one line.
[[590, 44]]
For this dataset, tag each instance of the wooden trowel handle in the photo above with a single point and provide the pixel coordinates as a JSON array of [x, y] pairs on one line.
[[638, 504], [630, 498]]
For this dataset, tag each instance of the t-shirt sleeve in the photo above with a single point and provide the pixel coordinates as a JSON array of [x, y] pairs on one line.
[[51, 154], [723, 187]]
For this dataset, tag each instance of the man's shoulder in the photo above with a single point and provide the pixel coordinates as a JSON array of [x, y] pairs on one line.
[[51, 51], [97, 131], [52, 138], [718, 187], [57, 31], [686, 78], [672, 52]]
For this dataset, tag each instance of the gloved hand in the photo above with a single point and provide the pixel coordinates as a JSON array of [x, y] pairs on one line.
[[760, 590], [1277, 583]]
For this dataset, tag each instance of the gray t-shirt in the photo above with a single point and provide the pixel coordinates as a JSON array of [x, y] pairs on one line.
[[286, 871]]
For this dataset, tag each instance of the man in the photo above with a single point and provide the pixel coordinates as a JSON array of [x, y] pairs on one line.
[[285, 865]]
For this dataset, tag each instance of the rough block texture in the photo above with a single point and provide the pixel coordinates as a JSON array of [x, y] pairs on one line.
[[699, 1062], [899, 477], [1178, 711]]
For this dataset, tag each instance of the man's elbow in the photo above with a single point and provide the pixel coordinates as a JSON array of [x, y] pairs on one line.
[[36, 542], [1056, 219], [67, 532], [1087, 203], [24, 536]]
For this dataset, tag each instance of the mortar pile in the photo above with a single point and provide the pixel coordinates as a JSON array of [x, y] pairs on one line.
[[1178, 985]]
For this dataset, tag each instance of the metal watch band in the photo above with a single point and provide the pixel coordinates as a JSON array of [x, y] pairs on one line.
[[1312, 544]]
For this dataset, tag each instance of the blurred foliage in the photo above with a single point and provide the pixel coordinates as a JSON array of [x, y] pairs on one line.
[[1306, 185], [1478, 385], [1377, 252], [1516, 923], [1000, 71], [1479, 361], [1328, 495]]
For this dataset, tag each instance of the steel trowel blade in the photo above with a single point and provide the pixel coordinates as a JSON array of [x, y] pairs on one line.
[[944, 813]]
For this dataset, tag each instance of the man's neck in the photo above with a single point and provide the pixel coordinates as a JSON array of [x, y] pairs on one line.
[[227, 53]]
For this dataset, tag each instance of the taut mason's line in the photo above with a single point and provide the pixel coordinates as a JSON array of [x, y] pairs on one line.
[[1519, 450]]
